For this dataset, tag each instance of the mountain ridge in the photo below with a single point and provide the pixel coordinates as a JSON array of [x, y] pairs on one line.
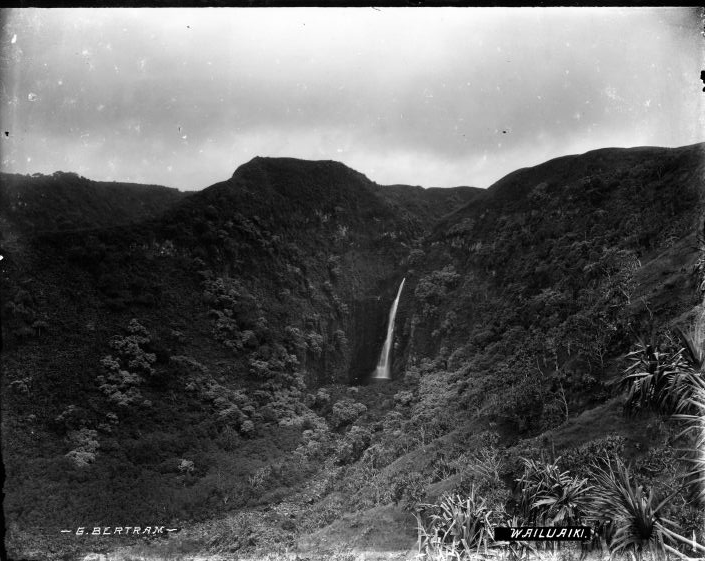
[[65, 200], [211, 361]]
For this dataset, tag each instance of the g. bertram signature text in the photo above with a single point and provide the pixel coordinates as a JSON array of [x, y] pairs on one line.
[[120, 530]]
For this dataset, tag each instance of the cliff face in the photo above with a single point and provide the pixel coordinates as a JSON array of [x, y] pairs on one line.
[[321, 240]]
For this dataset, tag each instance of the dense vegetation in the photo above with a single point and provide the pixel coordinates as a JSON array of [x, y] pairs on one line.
[[67, 201], [207, 368]]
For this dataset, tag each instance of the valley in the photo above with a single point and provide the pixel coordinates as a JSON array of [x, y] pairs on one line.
[[206, 360]]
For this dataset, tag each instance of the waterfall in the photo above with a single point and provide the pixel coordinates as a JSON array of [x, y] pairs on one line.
[[382, 371]]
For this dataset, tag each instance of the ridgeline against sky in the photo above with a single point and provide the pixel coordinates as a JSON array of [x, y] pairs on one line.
[[443, 96]]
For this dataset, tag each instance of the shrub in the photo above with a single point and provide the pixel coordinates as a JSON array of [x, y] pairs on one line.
[[314, 341], [124, 372], [433, 415], [482, 470], [295, 339], [432, 288], [409, 489], [404, 397], [71, 418], [235, 311], [322, 398], [351, 447], [80, 458], [85, 442], [247, 428], [260, 477], [578, 460], [341, 340], [345, 412]]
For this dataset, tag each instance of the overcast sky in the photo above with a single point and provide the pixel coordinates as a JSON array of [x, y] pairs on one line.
[[432, 97]]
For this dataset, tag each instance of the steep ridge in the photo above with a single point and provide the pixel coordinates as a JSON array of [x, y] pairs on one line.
[[312, 202], [320, 224]]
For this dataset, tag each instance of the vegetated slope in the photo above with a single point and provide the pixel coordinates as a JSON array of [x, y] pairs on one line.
[[431, 203], [256, 298], [308, 203], [177, 357], [313, 234], [514, 324], [541, 283], [67, 201]]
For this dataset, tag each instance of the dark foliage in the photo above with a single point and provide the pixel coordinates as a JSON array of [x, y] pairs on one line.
[[193, 351]]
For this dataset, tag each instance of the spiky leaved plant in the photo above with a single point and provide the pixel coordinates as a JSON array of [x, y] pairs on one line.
[[653, 378], [565, 502], [550, 496], [688, 398], [690, 378], [635, 517], [456, 527], [537, 478], [695, 455], [664, 379]]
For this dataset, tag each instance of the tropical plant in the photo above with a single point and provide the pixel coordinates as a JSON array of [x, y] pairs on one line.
[[632, 516], [690, 379], [658, 379], [455, 527], [695, 455], [673, 383], [552, 497]]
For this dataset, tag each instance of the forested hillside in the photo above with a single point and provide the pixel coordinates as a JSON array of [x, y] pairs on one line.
[[67, 201], [204, 360]]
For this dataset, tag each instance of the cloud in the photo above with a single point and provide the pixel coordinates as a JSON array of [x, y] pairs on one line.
[[183, 96]]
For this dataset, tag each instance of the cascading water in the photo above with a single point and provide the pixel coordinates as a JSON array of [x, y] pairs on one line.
[[382, 372]]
